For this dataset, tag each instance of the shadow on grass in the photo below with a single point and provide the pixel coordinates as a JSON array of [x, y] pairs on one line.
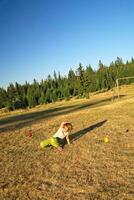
[[83, 132], [20, 121]]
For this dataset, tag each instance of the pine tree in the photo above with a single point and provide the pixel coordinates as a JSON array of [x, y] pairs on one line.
[[42, 98], [12, 97], [11, 92], [3, 98], [80, 79], [48, 96], [72, 82], [31, 97], [91, 78]]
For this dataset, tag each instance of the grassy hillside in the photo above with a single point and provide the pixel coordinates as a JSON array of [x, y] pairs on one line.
[[87, 169]]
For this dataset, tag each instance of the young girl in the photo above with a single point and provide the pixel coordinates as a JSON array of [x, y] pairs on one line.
[[55, 141]]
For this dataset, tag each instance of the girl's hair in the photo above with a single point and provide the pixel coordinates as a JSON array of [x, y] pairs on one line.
[[67, 125]]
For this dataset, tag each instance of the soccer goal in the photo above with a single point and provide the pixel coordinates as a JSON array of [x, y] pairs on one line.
[[118, 84]]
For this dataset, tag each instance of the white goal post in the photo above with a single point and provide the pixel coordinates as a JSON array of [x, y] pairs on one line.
[[117, 83]]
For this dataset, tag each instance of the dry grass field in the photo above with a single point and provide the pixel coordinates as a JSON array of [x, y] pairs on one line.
[[88, 169]]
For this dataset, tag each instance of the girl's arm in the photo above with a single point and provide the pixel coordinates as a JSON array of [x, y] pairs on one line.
[[68, 140]]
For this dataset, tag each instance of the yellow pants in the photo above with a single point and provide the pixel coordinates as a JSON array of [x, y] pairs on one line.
[[50, 141]]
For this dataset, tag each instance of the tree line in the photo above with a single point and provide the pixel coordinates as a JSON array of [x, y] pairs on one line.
[[77, 83]]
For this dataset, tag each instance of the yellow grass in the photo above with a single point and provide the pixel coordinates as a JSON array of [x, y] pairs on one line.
[[88, 169]]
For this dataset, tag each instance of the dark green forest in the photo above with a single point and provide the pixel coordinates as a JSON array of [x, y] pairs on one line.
[[79, 83]]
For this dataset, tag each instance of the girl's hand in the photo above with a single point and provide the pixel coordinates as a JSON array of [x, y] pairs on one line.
[[59, 148]]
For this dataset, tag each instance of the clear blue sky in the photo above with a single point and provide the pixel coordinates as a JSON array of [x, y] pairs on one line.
[[40, 36]]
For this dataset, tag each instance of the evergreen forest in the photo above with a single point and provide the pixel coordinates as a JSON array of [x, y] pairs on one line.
[[79, 83]]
